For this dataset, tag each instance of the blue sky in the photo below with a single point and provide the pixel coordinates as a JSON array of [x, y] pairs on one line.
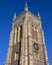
[[7, 10]]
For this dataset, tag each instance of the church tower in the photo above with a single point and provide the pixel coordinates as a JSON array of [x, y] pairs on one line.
[[27, 44]]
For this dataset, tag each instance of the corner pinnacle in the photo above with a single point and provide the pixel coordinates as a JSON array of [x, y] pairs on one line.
[[26, 7]]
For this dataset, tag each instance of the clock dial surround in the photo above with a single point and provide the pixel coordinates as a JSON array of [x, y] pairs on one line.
[[36, 47]]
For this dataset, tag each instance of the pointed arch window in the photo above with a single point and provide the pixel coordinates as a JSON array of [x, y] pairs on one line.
[[17, 35], [20, 32]]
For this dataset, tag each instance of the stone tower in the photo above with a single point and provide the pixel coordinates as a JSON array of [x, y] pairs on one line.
[[27, 44]]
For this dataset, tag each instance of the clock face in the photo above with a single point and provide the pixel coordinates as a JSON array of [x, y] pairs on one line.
[[36, 46]]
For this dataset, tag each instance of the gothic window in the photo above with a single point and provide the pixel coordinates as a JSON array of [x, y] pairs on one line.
[[17, 35], [20, 32]]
